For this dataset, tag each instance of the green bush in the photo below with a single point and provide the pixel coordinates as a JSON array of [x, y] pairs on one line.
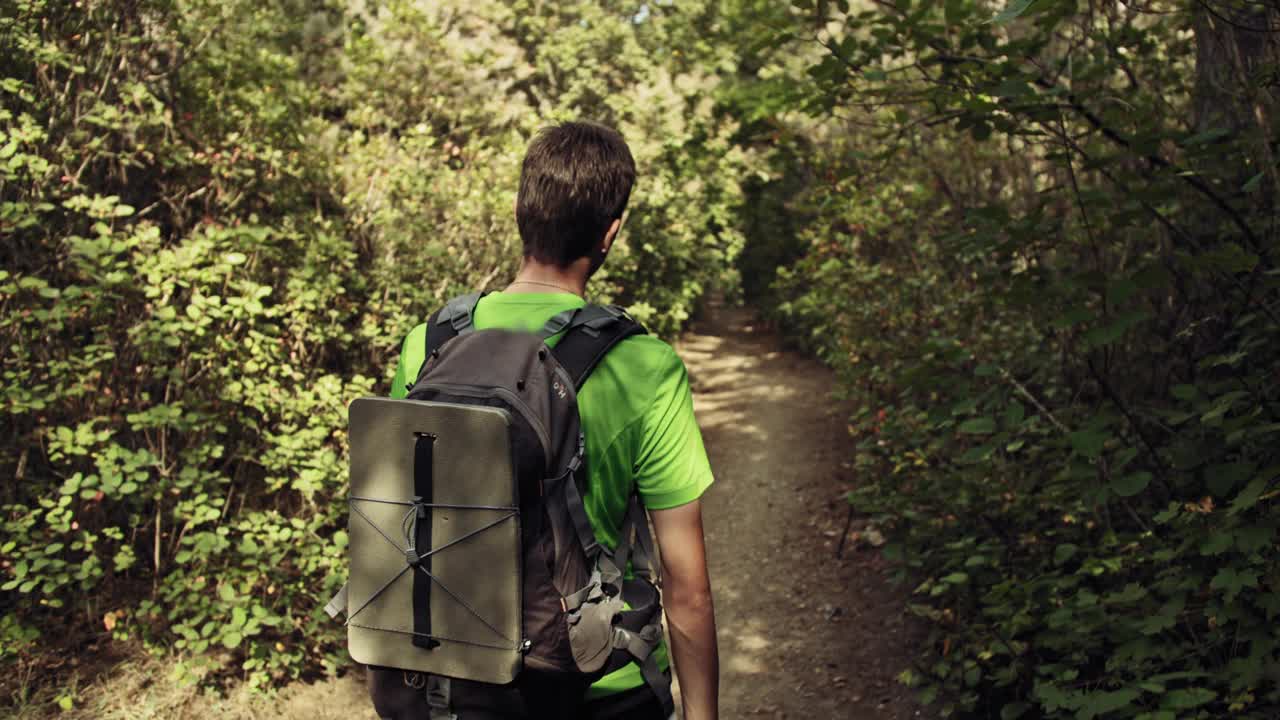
[[220, 219], [1060, 323]]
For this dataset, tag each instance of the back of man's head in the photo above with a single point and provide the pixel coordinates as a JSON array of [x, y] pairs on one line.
[[575, 181]]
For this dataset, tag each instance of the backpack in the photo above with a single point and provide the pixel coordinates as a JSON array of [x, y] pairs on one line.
[[471, 553]]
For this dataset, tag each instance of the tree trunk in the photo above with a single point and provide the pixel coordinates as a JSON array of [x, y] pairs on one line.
[[1237, 90]]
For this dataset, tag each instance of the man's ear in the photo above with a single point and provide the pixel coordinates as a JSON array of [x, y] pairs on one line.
[[610, 235]]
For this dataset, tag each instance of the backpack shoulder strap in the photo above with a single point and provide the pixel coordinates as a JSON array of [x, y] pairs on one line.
[[457, 317], [589, 334]]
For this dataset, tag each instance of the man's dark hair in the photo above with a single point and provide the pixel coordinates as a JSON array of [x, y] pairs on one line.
[[575, 181]]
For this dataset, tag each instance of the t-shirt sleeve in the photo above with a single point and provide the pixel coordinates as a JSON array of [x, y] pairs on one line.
[[672, 467], [412, 353]]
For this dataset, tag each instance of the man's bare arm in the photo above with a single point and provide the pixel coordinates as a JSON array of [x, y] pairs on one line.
[[686, 596]]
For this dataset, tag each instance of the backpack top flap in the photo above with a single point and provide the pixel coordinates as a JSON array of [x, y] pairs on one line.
[[402, 450], [517, 370]]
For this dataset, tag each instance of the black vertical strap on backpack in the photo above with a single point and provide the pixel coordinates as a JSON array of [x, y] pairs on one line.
[[455, 318], [589, 334], [424, 491]]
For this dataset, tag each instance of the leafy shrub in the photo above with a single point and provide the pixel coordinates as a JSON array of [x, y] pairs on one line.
[[1061, 325], [221, 218]]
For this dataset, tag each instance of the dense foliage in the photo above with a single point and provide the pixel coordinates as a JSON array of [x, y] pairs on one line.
[[1037, 241], [1039, 245], [220, 219]]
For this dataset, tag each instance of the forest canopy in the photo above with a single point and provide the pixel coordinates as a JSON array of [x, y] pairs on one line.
[[1036, 240]]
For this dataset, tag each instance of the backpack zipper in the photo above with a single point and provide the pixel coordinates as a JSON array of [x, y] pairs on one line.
[[513, 399]]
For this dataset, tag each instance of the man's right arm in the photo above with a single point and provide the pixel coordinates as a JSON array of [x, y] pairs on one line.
[[672, 472], [686, 596]]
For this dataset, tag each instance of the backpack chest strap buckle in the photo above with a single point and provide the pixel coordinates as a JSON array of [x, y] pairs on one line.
[[638, 644]]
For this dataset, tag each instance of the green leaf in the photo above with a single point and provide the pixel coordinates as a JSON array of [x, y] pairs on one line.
[[978, 426], [977, 454], [1101, 703], [1014, 415], [1252, 183], [236, 258], [226, 592], [1228, 257], [1011, 11], [1107, 334], [1013, 88], [1254, 539], [1119, 291], [1131, 485], [1217, 543], [238, 617], [232, 639], [1187, 698], [1132, 592], [1168, 514], [1207, 136], [1222, 405], [957, 578], [1071, 318], [1064, 552], [1088, 442], [1013, 711], [1231, 581]]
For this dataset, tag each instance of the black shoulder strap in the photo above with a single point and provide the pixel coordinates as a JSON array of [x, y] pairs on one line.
[[455, 318], [589, 335]]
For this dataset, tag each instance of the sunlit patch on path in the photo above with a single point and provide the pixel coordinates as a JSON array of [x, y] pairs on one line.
[[802, 633]]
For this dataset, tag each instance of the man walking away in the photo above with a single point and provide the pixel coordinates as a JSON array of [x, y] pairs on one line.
[[637, 415]]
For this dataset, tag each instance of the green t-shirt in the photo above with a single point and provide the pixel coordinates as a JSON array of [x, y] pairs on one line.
[[637, 414]]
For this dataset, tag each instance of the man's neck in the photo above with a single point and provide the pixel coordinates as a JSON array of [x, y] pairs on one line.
[[539, 277]]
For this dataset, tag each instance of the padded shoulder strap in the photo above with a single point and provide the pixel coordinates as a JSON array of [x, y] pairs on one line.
[[590, 334], [455, 318]]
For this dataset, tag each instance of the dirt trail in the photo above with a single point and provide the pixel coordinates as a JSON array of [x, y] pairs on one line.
[[802, 634]]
